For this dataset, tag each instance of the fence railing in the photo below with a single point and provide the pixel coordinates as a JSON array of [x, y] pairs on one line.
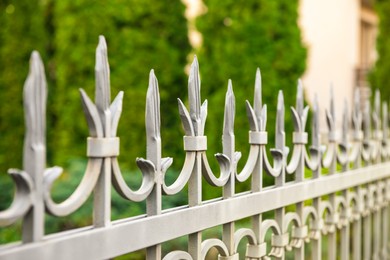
[[348, 205]]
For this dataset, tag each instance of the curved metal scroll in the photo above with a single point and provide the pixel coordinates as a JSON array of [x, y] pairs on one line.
[[178, 255], [102, 122], [22, 200], [244, 233], [216, 243]]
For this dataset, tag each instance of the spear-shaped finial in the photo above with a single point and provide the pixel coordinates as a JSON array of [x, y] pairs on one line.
[[279, 131], [315, 122], [332, 107], [299, 101], [102, 76], [367, 121], [230, 107], [356, 102], [257, 102], [345, 122], [385, 121], [152, 115], [280, 113], [377, 111], [194, 91], [377, 102], [34, 96], [356, 116]]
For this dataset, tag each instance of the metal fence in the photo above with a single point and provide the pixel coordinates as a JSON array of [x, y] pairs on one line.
[[347, 205]]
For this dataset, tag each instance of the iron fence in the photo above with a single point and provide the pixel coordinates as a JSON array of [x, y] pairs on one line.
[[348, 205]]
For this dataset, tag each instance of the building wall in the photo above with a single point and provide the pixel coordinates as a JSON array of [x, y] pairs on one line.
[[331, 32]]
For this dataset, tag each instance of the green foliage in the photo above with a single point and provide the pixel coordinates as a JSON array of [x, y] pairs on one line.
[[140, 36], [380, 76], [238, 37], [21, 31]]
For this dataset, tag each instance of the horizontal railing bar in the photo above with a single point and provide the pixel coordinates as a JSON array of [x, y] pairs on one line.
[[132, 235]]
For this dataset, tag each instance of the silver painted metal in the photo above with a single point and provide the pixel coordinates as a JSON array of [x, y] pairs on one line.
[[355, 194]]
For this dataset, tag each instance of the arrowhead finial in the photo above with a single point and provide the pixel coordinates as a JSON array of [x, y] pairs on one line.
[[299, 101], [377, 102], [152, 115], [280, 113], [385, 121], [230, 107], [257, 102], [345, 121], [194, 91], [356, 101], [367, 121], [316, 121], [35, 96], [377, 110], [102, 76], [332, 107]]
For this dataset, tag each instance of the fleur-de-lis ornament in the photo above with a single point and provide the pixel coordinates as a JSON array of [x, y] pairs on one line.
[[102, 147]]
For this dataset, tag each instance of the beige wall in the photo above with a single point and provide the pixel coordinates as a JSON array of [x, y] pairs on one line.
[[331, 31]]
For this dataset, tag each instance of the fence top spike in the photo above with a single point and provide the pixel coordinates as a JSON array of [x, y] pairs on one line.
[[315, 116], [102, 76], [332, 108], [35, 94], [194, 91], [230, 87], [316, 108], [345, 119], [299, 101], [152, 115], [315, 103], [385, 118], [356, 100], [35, 58], [377, 102], [280, 113], [228, 120], [366, 121], [257, 102], [34, 99]]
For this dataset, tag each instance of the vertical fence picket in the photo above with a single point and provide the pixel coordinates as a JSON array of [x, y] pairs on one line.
[[377, 158], [357, 139], [195, 181], [153, 153], [257, 175], [280, 144], [34, 154], [385, 208], [332, 142], [102, 193], [317, 224], [367, 232], [344, 232], [228, 140], [299, 141]]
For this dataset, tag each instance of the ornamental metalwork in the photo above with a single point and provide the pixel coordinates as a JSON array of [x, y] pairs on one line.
[[348, 205]]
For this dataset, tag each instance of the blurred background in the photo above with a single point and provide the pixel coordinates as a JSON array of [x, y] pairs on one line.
[[343, 42]]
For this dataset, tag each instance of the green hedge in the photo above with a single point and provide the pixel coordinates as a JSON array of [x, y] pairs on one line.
[[238, 37], [140, 35], [21, 31], [380, 76]]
